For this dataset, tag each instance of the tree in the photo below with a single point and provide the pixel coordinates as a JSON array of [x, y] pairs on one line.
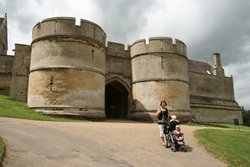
[[246, 116]]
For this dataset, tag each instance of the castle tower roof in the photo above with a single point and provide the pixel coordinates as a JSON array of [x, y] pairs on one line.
[[199, 67]]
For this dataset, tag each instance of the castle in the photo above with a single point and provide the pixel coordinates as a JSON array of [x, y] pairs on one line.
[[72, 70]]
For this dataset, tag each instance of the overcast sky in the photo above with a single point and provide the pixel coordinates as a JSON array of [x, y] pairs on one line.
[[206, 26]]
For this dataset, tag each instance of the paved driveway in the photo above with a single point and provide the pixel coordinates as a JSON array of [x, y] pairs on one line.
[[83, 144]]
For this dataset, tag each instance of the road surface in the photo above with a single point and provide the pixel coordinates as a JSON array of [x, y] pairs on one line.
[[95, 144]]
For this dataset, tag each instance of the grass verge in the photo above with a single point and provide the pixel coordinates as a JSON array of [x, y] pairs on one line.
[[16, 109], [228, 145], [207, 124], [1, 151], [218, 125]]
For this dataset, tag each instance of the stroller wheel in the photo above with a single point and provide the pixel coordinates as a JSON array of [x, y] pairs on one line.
[[173, 149], [183, 148]]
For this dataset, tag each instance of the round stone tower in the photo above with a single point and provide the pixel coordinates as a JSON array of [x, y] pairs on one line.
[[159, 72], [67, 69]]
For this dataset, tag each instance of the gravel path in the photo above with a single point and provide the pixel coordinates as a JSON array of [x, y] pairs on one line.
[[90, 144]]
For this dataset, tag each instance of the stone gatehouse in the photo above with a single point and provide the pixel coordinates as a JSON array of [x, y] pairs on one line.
[[72, 69]]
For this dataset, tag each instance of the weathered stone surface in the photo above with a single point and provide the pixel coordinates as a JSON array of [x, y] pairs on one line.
[[5, 83], [20, 72], [199, 67], [211, 86], [118, 78], [212, 113], [148, 95], [67, 67], [70, 88], [3, 35], [159, 72], [6, 65]]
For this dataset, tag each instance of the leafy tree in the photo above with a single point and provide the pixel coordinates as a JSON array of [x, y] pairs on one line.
[[246, 116]]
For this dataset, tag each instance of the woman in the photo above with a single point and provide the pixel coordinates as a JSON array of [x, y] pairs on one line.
[[163, 117]]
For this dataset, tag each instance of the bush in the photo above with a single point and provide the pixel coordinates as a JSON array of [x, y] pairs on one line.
[[246, 117]]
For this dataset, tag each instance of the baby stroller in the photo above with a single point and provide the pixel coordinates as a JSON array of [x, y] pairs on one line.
[[173, 143]]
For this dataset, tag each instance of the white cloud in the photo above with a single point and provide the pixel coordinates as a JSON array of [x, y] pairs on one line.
[[22, 17], [172, 18], [241, 76]]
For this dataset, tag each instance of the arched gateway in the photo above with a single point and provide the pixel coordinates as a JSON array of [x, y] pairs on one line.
[[116, 100]]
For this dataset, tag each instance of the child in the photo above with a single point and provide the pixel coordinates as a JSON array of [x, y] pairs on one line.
[[178, 134], [173, 122]]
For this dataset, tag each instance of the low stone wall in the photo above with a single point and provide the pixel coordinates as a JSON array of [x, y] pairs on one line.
[[205, 114], [73, 112], [5, 83]]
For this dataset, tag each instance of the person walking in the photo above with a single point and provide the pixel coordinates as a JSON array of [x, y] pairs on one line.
[[163, 116]]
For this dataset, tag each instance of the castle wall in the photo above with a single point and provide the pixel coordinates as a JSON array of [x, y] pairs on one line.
[[5, 80], [212, 98], [20, 72], [68, 68], [6, 65], [159, 72], [211, 86], [213, 114], [199, 67]]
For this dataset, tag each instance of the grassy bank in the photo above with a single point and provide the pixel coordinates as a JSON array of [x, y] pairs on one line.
[[16, 109], [228, 145], [1, 150]]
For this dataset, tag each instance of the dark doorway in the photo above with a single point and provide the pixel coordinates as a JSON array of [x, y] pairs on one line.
[[116, 101]]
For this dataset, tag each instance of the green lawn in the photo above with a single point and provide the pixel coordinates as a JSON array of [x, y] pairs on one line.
[[16, 109], [231, 146], [1, 149]]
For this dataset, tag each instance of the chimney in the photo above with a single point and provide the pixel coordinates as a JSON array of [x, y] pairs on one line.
[[217, 61], [218, 69]]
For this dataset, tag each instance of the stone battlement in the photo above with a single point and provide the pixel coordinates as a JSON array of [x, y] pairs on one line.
[[117, 49], [158, 44], [66, 26]]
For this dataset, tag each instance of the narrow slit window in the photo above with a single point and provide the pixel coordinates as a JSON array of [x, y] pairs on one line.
[[162, 63], [51, 84], [55, 27], [92, 54], [22, 60], [5, 68]]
